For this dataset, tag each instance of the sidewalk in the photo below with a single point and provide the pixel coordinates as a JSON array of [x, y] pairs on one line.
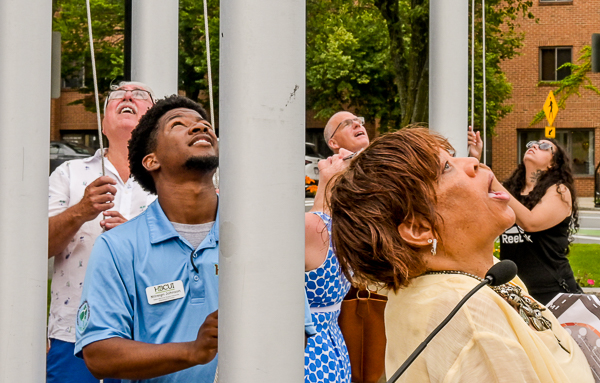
[[586, 203]]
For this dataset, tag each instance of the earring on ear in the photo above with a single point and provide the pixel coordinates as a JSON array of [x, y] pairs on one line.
[[433, 246]]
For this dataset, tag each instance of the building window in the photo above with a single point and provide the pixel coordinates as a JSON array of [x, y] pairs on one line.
[[579, 144], [557, 1], [553, 58], [87, 138]]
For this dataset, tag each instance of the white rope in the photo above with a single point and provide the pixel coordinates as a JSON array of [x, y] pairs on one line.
[[473, 64], [472, 70], [89, 20], [210, 88], [484, 85]]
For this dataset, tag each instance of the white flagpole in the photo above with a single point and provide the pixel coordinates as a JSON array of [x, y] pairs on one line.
[[261, 264], [25, 61]]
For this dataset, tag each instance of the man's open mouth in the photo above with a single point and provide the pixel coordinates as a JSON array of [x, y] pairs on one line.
[[201, 140], [127, 108]]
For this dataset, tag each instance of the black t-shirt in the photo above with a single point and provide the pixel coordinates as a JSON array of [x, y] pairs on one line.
[[541, 258]]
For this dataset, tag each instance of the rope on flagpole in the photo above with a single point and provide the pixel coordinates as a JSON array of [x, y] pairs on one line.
[[473, 63], [89, 20], [210, 87], [484, 84]]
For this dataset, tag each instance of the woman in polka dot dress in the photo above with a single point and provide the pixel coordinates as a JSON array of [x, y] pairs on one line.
[[326, 356]]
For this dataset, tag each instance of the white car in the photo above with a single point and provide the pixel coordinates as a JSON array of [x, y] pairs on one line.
[[311, 160]]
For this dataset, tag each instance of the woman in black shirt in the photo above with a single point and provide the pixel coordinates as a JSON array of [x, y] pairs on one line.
[[544, 201]]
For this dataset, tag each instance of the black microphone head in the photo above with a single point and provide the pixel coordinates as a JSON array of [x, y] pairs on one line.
[[501, 272]]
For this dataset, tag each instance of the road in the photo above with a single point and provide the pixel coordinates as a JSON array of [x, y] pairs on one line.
[[589, 227]]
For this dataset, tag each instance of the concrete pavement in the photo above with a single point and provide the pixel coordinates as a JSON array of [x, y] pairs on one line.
[[586, 203]]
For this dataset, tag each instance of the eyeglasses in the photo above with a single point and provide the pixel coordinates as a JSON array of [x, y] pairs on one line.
[[138, 94], [349, 122], [541, 145]]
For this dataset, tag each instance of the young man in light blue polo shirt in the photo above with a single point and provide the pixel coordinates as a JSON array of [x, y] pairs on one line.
[[149, 301]]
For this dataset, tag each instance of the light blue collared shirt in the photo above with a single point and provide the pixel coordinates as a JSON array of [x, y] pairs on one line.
[[144, 252]]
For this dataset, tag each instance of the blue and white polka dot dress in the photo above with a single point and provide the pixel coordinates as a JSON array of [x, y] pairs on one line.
[[326, 356]]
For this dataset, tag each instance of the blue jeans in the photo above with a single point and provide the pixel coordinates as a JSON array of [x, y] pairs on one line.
[[64, 367]]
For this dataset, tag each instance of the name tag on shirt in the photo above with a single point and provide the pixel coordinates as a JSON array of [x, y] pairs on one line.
[[165, 292]]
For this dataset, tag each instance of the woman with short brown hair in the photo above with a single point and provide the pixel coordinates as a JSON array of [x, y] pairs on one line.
[[410, 216]]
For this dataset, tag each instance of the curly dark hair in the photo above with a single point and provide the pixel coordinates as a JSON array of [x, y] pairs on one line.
[[392, 180], [143, 137], [559, 173]]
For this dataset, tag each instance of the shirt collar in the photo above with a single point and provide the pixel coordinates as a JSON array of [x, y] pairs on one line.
[[107, 164], [96, 156], [161, 229]]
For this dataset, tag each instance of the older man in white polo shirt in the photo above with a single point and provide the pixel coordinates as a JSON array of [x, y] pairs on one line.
[[82, 203]]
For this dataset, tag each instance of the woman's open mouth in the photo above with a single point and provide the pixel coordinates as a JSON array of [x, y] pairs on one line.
[[499, 195]]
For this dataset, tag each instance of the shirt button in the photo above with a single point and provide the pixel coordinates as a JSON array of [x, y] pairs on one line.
[[195, 255], [196, 277]]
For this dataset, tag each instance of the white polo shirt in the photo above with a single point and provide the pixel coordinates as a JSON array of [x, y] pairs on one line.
[[67, 186]]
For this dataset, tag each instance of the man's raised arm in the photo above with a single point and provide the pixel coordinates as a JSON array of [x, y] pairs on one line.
[[98, 197]]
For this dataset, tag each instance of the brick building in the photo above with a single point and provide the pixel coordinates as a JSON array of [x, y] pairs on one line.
[[564, 28], [72, 123]]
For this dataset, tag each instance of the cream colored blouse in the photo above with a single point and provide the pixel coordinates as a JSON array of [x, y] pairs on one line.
[[486, 341]]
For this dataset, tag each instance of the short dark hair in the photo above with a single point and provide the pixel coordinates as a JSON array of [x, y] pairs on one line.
[[143, 138]]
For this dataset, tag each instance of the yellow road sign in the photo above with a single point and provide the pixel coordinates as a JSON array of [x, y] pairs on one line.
[[550, 108], [550, 132]]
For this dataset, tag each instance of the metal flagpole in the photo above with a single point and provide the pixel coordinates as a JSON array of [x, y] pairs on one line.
[[449, 71], [89, 19], [155, 44], [261, 263], [25, 61]]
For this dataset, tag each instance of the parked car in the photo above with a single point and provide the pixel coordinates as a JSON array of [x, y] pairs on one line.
[[61, 151], [311, 160]]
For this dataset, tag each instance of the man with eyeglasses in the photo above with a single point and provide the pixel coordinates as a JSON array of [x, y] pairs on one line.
[[83, 203], [347, 131]]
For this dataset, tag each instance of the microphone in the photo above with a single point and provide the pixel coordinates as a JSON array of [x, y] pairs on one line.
[[499, 274]]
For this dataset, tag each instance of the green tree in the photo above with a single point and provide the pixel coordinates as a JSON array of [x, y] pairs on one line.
[[193, 64], [572, 84], [503, 41], [373, 55], [70, 19], [108, 18], [348, 61]]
